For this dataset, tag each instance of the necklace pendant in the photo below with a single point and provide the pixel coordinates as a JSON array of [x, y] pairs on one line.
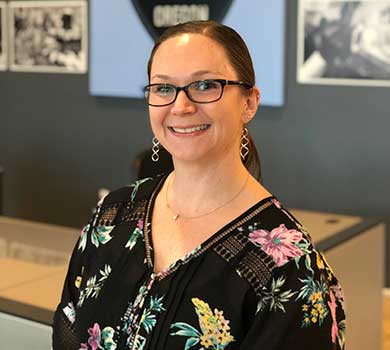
[[175, 217]]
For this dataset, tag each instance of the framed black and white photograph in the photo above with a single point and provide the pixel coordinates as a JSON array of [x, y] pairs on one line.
[[48, 36], [344, 42], [3, 36]]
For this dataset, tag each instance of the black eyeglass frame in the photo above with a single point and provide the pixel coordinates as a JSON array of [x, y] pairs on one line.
[[185, 88]]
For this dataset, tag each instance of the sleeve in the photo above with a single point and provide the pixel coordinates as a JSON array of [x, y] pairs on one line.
[[64, 336], [302, 308]]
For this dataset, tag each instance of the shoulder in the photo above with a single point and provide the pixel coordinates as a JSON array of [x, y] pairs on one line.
[[278, 234], [270, 239], [126, 203], [118, 213], [137, 190], [274, 253]]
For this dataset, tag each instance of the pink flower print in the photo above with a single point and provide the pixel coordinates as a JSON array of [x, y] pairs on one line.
[[332, 307], [276, 203], [338, 292], [94, 338], [83, 346], [280, 243], [140, 224], [279, 206]]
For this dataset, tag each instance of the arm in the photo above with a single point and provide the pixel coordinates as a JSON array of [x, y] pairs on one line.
[[301, 308], [63, 336]]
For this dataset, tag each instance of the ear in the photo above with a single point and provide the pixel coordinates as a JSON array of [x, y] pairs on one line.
[[251, 105]]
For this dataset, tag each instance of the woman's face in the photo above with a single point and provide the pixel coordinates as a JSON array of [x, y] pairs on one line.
[[192, 131]]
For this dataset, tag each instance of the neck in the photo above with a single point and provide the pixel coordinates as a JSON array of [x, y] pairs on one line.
[[207, 187]]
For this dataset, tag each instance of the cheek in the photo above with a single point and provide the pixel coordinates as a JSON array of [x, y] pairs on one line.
[[231, 118], [156, 119]]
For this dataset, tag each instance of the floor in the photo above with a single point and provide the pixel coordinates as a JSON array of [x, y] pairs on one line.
[[386, 322]]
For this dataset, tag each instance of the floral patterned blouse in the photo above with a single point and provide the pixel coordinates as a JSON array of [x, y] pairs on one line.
[[257, 283]]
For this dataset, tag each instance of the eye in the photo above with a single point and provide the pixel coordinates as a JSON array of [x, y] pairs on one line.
[[205, 85], [162, 89]]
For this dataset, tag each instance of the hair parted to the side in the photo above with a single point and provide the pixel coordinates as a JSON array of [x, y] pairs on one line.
[[238, 55]]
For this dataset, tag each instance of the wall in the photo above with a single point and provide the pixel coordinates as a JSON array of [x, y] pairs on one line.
[[326, 149]]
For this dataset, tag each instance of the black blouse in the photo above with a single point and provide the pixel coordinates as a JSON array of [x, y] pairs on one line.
[[257, 283]]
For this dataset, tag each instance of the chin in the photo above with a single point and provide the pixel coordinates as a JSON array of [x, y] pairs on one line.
[[190, 157]]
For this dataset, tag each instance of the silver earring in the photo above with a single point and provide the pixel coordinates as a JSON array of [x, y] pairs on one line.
[[244, 149], [155, 149]]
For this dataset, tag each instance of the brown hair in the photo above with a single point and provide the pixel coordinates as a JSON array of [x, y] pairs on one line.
[[238, 56]]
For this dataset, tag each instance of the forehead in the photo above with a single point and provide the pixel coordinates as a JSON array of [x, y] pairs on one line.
[[186, 54]]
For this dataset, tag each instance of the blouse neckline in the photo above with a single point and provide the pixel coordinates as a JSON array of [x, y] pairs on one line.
[[216, 237]]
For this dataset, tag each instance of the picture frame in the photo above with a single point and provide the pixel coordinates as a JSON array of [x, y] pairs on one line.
[[343, 42], [48, 36], [3, 36]]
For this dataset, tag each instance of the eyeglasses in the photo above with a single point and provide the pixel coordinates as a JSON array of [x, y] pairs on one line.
[[201, 91]]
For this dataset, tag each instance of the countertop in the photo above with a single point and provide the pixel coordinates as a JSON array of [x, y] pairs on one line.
[[34, 258]]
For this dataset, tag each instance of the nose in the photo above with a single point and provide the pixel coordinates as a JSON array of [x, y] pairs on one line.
[[183, 105]]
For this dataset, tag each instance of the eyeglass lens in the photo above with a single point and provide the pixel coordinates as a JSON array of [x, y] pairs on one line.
[[203, 91]]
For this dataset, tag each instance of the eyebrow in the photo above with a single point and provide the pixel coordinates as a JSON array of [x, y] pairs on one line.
[[193, 75]]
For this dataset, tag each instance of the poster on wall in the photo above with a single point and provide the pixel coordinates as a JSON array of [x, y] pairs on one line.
[[48, 36], [3, 36], [344, 42], [120, 48]]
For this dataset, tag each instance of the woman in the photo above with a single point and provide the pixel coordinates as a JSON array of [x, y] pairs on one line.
[[205, 257]]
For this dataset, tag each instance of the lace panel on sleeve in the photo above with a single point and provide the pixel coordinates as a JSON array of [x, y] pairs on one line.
[[64, 336]]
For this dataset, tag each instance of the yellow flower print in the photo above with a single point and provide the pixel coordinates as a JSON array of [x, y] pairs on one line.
[[77, 282], [315, 297], [314, 307], [202, 308], [314, 312], [320, 308], [214, 328], [205, 341], [330, 275], [320, 261], [143, 317]]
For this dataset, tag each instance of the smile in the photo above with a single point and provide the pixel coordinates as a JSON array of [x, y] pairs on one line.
[[189, 130]]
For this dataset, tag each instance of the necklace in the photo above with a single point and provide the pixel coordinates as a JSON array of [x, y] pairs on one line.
[[176, 215]]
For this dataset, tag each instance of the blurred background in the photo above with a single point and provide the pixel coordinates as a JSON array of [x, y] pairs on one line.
[[326, 149]]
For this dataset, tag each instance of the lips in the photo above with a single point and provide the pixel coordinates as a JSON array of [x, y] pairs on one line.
[[189, 130]]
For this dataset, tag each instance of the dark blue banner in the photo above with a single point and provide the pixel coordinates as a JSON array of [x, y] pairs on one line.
[[123, 32]]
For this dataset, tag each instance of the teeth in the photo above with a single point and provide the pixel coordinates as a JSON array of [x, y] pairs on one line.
[[190, 130]]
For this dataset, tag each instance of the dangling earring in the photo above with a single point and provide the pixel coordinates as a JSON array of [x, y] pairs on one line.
[[155, 149], [244, 149]]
